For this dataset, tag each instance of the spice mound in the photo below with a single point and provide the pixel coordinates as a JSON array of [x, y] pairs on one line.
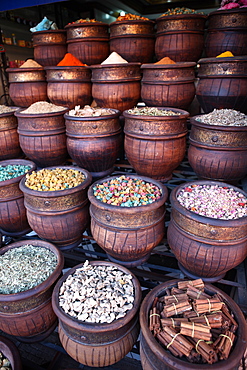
[[224, 117], [153, 111], [183, 10], [11, 171], [214, 201], [54, 179], [131, 17], [25, 267], [125, 191], [5, 109], [97, 294], [88, 111], [114, 58], [193, 324], [4, 362], [43, 107], [83, 20], [30, 63], [69, 60], [165, 60]]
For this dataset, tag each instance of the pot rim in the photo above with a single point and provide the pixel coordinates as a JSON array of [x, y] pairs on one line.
[[241, 58], [116, 114], [48, 31], [42, 286], [95, 327], [128, 210], [2, 115], [14, 162], [9, 349], [58, 193], [22, 70], [184, 114], [168, 66], [66, 68], [18, 113], [228, 11], [194, 121], [203, 219], [183, 365], [181, 16], [116, 65], [133, 21]]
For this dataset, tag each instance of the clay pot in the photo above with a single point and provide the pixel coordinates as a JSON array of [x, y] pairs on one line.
[[29, 314], [94, 143], [42, 137], [9, 138], [218, 152], [13, 219], [134, 40], [155, 145], [128, 235], [205, 247], [168, 85], [69, 86], [88, 41], [94, 344], [155, 357], [49, 46], [61, 216], [11, 352], [222, 83], [116, 86], [180, 37], [27, 86]]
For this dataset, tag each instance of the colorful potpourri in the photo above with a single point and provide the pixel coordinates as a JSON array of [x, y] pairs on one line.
[[224, 117], [84, 20], [131, 17], [11, 171], [214, 201], [125, 191], [183, 10]]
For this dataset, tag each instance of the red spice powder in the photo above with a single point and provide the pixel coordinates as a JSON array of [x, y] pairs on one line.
[[69, 60]]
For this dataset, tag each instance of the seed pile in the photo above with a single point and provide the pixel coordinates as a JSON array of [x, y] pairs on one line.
[[131, 17], [25, 267], [54, 179], [125, 191], [214, 201], [6, 109], [42, 107], [88, 111], [11, 171], [224, 117], [98, 294], [153, 111], [4, 362], [83, 20], [183, 10]]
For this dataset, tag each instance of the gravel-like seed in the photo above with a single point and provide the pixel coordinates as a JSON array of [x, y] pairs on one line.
[[224, 117], [153, 111], [5, 109]]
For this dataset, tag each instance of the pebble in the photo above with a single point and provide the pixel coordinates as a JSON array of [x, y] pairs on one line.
[[11, 171], [125, 191], [214, 201], [224, 117]]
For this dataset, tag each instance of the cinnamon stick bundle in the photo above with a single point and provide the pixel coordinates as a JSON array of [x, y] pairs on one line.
[[213, 320], [206, 351], [198, 283], [154, 321], [195, 293], [207, 305], [163, 338], [177, 341], [176, 309], [223, 344], [175, 323], [175, 298], [198, 331]]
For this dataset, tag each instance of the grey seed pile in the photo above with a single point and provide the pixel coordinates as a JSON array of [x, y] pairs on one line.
[[5, 109], [224, 117], [153, 111]]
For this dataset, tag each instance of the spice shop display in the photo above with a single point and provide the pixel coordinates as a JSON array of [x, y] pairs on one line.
[[9, 138], [97, 304], [207, 229]]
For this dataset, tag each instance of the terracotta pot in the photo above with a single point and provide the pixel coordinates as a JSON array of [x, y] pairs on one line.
[[116, 86], [94, 143], [9, 138], [222, 83], [42, 137], [205, 247], [29, 314], [218, 152], [61, 216], [168, 85], [49, 46], [128, 235], [155, 145], [69, 86], [27, 86], [13, 219], [134, 40], [98, 345], [88, 41], [180, 37], [155, 357], [11, 352]]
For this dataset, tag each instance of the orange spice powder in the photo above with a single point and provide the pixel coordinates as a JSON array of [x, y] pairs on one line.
[[165, 60], [69, 60]]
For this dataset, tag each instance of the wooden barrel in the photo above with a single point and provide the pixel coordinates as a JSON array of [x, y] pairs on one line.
[[226, 31], [88, 41], [93, 344], [94, 143], [155, 357], [69, 86], [222, 83], [155, 145], [134, 40], [61, 216], [180, 37], [13, 219], [49, 46], [42, 137], [218, 152], [205, 247], [128, 234], [27, 85], [168, 85], [9, 138], [116, 86], [29, 314], [11, 352]]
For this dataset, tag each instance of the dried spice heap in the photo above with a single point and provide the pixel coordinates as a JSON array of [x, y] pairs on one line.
[[42, 107], [83, 20], [88, 111], [152, 111], [11, 171], [131, 17], [183, 10], [25, 267], [97, 294], [30, 63], [5, 109], [165, 60], [193, 324], [69, 60], [224, 117], [114, 58]]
